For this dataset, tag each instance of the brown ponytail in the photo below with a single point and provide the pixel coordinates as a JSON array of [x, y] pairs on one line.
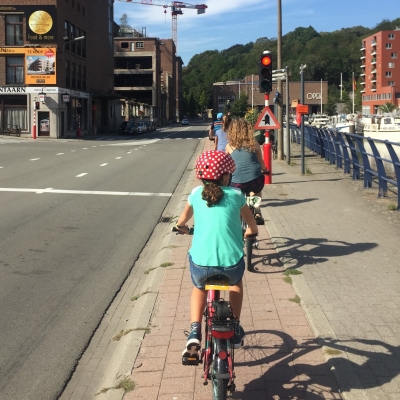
[[212, 192]]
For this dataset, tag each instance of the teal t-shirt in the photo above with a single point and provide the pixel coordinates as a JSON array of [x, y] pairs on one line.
[[217, 239]]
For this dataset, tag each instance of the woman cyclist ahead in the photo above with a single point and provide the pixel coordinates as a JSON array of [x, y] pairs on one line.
[[217, 245]]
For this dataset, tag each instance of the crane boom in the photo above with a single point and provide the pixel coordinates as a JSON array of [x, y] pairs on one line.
[[176, 9]]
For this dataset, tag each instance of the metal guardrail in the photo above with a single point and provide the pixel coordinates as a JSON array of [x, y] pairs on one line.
[[11, 130], [362, 156]]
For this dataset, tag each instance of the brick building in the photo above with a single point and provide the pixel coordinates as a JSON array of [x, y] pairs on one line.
[[315, 94], [147, 75], [380, 70], [52, 47]]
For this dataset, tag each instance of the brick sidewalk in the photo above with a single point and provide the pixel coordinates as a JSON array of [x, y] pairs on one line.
[[281, 358]]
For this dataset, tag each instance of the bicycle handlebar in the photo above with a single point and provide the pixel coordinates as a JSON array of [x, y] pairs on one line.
[[179, 232]]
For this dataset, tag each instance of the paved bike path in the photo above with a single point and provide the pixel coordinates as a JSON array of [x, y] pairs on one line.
[[281, 358]]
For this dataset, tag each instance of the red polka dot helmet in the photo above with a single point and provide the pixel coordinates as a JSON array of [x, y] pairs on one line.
[[212, 164]]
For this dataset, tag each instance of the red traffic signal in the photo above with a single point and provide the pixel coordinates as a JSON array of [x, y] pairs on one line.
[[37, 105], [265, 72]]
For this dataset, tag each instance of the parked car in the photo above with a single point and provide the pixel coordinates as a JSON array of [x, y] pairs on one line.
[[128, 128], [142, 127], [185, 121]]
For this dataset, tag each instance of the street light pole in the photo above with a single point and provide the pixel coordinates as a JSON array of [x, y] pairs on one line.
[[279, 85]]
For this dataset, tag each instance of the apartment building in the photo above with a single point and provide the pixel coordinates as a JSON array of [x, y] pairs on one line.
[[315, 94], [49, 55], [146, 76], [380, 70]]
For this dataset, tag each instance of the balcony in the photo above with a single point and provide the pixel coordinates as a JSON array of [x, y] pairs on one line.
[[373, 71], [363, 74], [362, 57], [362, 83], [362, 91], [373, 79], [362, 47], [362, 66], [373, 43], [373, 61], [373, 88], [373, 53]]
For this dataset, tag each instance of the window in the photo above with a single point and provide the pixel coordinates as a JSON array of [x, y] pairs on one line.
[[388, 74], [83, 10], [13, 112], [393, 55], [67, 74], [78, 7], [78, 42], [14, 30], [388, 45], [391, 36], [124, 45], [83, 44], [73, 76], [221, 100], [391, 65], [15, 71], [78, 77], [391, 83], [139, 45], [83, 78]]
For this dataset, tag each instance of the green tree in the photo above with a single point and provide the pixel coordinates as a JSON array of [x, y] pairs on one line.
[[387, 107], [203, 102], [240, 106], [330, 107]]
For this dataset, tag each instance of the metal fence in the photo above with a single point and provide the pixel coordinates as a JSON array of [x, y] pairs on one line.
[[363, 157]]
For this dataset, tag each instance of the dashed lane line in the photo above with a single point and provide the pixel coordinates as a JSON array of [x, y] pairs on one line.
[[94, 192], [103, 165], [82, 174], [34, 159]]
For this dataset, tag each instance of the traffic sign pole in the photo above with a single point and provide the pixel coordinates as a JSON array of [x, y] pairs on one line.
[[267, 149]]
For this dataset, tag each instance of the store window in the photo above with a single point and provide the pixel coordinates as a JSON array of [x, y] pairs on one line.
[[14, 30], [13, 112], [15, 71]]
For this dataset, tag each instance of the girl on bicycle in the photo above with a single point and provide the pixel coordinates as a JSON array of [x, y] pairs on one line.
[[217, 245], [250, 166], [221, 135]]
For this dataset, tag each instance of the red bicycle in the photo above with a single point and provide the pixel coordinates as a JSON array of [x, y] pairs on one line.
[[220, 326]]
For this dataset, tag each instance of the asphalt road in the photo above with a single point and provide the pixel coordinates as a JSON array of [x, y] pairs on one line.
[[74, 215]]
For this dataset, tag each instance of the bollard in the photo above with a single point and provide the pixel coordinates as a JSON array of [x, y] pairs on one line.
[[34, 125], [267, 149]]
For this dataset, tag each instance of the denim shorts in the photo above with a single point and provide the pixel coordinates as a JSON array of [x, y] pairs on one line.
[[200, 274]]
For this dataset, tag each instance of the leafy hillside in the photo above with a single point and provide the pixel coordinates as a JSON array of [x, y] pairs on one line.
[[327, 55]]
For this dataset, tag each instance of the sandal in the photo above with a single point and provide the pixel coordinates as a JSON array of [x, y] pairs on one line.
[[259, 219]]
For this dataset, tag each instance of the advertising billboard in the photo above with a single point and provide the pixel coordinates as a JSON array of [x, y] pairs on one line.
[[41, 21], [40, 63]]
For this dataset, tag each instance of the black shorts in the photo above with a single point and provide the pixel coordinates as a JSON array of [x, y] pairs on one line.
[[255, 185]]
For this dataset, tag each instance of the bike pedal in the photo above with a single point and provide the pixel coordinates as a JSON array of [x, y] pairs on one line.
[[192, 360]]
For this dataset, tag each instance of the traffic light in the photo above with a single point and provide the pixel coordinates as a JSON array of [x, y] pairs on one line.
[[37, 105], [265, 72]]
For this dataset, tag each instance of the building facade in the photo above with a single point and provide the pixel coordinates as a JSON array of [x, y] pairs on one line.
[[54, 81], [146, 77], [315, 94], [380, 71]]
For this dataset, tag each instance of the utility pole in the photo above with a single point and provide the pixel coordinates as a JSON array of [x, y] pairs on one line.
[[302, 144], [279, 86]]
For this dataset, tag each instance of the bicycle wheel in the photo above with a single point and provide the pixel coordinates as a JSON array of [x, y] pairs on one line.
[[219, 389], [249, 253]]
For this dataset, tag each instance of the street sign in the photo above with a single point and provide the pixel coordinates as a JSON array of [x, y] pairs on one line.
[[302, 109], [267, 120]]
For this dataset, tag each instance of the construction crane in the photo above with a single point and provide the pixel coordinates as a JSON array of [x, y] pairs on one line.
[[176, 9]]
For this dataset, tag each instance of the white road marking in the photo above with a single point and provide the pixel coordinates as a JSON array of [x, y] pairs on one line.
[[80, 175], [98, 192], [59, 154], [43, 191], [1, 167], [118, 158], [133, 143], [72, 151], [34, 159], [84, 148], [94, 146], [103, 165]]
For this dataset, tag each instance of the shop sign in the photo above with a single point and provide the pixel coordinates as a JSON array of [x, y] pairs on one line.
[[66, 98], [12, 89], [40, 63], [314, 96]]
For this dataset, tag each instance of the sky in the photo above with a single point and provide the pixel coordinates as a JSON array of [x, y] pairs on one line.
[[229, 22]]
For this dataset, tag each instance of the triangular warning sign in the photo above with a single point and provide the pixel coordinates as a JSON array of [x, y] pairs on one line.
[[267, 120]]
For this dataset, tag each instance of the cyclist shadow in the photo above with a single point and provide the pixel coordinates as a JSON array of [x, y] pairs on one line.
[[278, 358]]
